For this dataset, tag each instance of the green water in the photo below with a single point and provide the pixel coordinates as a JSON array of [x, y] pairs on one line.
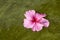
[[12, 15]]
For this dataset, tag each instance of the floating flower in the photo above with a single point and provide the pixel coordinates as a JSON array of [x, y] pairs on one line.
[[35, 21]]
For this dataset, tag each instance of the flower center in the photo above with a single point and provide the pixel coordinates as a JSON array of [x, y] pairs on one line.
[[34, 19]]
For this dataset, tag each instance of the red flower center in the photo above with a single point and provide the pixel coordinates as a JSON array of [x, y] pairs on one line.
[[34, 19]]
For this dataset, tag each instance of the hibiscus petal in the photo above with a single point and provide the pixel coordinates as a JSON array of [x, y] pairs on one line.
[[39, 16], [28, 23], [45, 22], [29, 14], [34, 28], [37, 27], [42, 15]]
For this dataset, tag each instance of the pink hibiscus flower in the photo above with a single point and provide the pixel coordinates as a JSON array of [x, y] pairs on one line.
[[35, 21]]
